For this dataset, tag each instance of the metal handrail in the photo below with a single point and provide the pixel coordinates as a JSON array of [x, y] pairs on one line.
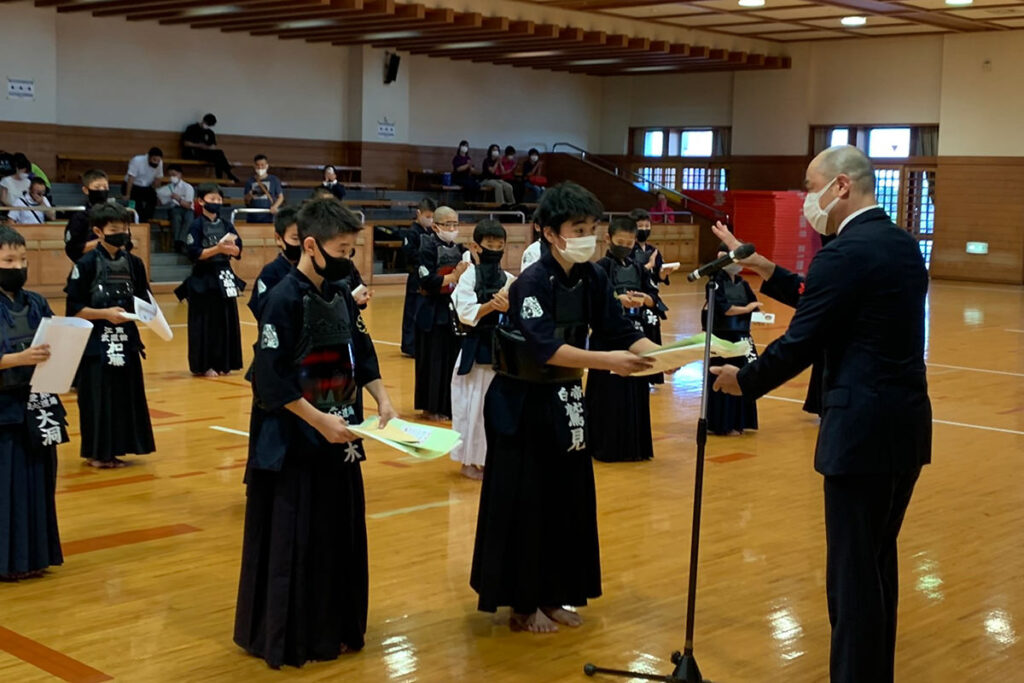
[[653, 213], [234, 212], [610, 167], [492, 214], [61, 208]]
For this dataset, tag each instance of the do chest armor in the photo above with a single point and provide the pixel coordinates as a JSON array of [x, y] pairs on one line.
[[326, 361]]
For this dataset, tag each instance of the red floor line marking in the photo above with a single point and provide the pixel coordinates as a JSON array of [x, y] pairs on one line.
[[161, 414], [50, 661], [731, 457], [230, 467], [225, 398], [187, 474], [231, 448], [89, 486], [88, 545]]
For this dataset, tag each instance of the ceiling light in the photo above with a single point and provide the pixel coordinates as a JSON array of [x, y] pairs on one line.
[[751, 3], [594, 62], [305, 24], [959, 3], [213, 9], [392, 35], [533, 54], [466, 46], [853, 21], [638, 69]]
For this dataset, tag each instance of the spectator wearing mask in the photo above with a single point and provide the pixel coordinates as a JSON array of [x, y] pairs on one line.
[[463, 169], [178, 197], [79, 238], [534, 180], [330, 181], [35, 203], [490, 177], [142, 181], [662, 211], [263, 191], [200, 143], [16, 185]]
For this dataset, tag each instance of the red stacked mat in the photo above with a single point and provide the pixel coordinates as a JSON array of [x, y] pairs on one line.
[[774, 222]]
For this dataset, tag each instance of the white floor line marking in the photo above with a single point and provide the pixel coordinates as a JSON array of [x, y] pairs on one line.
[[179, 325], [229, 431], [386, 343], [940, 422], [1016, 331], [246, 322], [414, 508], [988, 372]]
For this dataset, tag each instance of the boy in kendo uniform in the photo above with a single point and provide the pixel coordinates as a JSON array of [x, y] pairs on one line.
[[212, 289], [440, 267], [303, 591], [649, 257], [536, 545], [112, 407], [619, 408]]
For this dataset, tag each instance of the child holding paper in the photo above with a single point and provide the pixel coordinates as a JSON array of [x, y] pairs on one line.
[[620, 407], [31, 426], [112, 407], [734, 304], [303, 591], [479, 299]]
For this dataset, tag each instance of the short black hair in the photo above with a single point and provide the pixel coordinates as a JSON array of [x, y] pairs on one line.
[[533, 150], [21, 161], [285, 218], [156, 152], [493, 148], [9, 237], [328, 166], [102, 215], [323, 219], [207, 188], [640, 215], [488, 227], [210, 120], [322, 192], [92, 175], [36, 180], [427, 204], [565, 202], [621, 224], [510, 150], [175, 167], [260, 157], [463, 142]]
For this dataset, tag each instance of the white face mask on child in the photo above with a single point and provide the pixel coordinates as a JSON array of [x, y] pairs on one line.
[[578, 249]]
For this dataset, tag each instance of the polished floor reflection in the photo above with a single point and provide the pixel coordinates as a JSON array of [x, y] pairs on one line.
[[147, 591]]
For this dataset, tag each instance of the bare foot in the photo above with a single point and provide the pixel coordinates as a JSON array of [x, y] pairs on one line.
[[118, 462], [472, 472], [99, 464], [210, 373], [537, 622], [564, 616]]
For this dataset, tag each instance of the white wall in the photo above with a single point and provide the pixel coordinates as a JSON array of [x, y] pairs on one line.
[[771, 110], [454, 100], [26, 53], [384, 103]]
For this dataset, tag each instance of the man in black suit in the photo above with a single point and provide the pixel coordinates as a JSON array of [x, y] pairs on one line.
[[863, 304]]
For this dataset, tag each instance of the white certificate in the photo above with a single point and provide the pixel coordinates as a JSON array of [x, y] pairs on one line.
[[67, 338]]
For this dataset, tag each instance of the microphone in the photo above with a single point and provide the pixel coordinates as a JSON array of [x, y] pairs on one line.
[[738, 254]]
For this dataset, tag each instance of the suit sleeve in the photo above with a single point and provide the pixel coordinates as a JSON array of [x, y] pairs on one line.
[[275, 374], [784, 286], [828, 296]]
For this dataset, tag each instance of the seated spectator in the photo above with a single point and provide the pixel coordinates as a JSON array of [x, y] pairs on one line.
[[142, 181], [534, 180], [34, 202], [503, 193], [200, 143], [263, 191], [463, 169], [178, 197], [662, 212], [331, 182], [16, 185], [6, 164], [507, 165]]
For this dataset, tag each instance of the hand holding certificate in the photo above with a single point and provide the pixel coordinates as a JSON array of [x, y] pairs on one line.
[[66, 338], [418, 440], [687, 350], [150, 315]]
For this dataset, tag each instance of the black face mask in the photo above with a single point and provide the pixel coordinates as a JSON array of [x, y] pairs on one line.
[[642, 235], [13, 279], [214, 208], [152, 165], [490, 255], [619, 252], [118, 240], [292, 252], [334, 269], [98, 197]]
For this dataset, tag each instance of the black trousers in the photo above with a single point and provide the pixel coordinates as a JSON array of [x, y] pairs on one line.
[[221, 165], [145, 202], [863, 515]]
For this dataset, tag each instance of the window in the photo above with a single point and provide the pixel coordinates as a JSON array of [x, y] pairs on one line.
[[662, 175], [920, 202], [681, 142], [703, 178], [839, 136], [926, 251], [887, 191], [654, 143], [889, 143], [697, 143]]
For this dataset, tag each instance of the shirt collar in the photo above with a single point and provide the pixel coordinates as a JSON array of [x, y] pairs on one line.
[[855, 214]]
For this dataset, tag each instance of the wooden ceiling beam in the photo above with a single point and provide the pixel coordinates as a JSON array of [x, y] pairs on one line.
[[130, 9], [408, 15], [429, 20], [340, 8], [491, 28]]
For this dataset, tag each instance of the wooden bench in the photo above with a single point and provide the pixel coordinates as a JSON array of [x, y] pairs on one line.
[[345, 173], [65, 162]]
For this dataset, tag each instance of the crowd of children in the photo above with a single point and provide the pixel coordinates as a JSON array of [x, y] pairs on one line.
[[503, 358]]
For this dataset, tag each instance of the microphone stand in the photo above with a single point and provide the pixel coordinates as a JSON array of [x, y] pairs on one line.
[[686, 664]]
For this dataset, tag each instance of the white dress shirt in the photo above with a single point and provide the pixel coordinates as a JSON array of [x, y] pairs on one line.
[[185, 192], [34, 215], [855, 214]]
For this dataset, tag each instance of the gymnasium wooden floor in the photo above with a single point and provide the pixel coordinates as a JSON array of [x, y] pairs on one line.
[[147, 590]]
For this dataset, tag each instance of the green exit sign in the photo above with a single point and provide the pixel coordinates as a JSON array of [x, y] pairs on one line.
[[977, 247]]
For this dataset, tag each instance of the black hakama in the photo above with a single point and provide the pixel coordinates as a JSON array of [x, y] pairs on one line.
[[29, 539], [619, 413], [304, 585], [536, 534], [726, 413], [642, 253], [114, 413], [437, 349]]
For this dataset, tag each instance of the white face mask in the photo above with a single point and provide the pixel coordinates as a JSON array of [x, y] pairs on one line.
[[578, 249], [463, 150], [261, 172], [815, 215], [534, 158], [495, 154], [427, 222], [448, 237], [733, 269], [175, 180]]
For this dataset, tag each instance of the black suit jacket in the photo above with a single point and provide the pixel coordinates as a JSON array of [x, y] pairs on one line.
[[864, 303]]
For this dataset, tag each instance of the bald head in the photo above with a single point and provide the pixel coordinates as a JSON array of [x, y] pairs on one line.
[[849, 161], [445, 214]]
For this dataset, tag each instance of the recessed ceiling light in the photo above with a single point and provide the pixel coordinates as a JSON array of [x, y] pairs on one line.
[[392, 35], [532, 54], [594, 62], [853, 21], [751, 3], [959, 3], [471, 45]]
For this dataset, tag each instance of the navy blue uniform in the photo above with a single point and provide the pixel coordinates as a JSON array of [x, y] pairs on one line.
[[304, 584], [272, 273], [437, 347], [411, 238], [642, 253], [536, 538], [728, 414], [864, 306]]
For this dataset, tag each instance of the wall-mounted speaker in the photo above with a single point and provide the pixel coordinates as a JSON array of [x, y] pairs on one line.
[[391, 61]]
